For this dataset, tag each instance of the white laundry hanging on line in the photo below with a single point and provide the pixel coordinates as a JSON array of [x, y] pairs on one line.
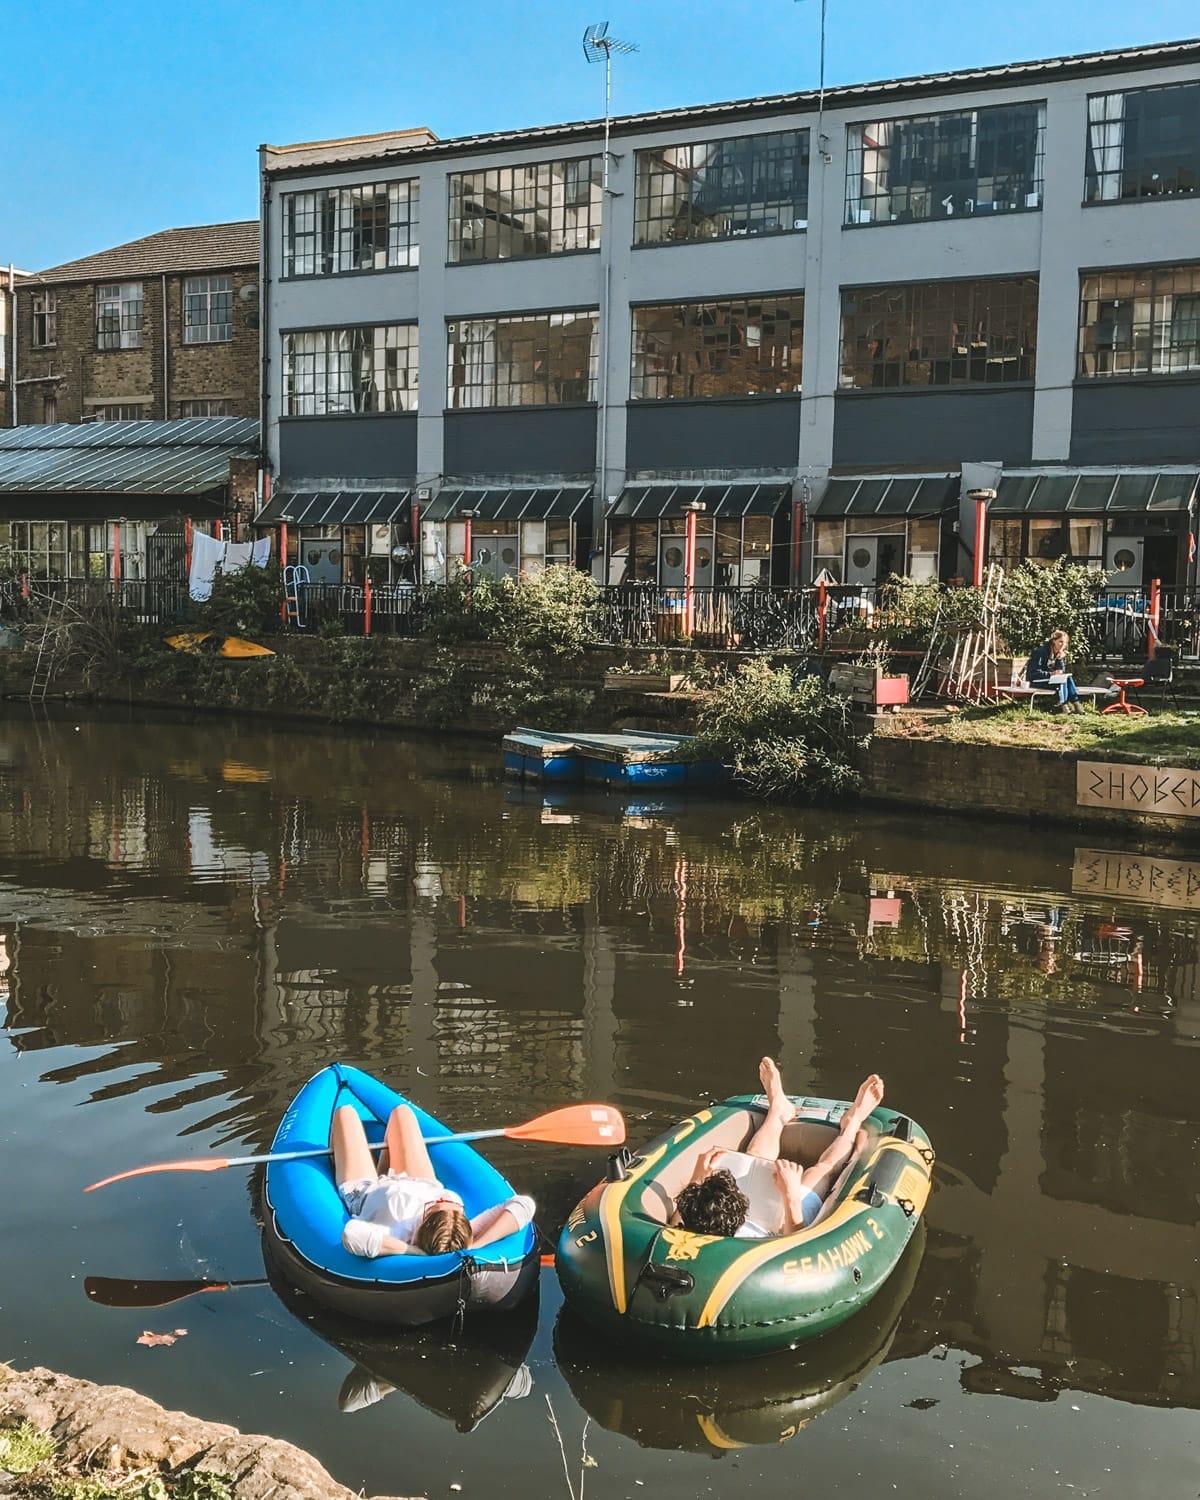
[[210, 557]]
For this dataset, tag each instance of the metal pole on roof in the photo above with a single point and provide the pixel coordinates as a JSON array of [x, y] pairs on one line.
[[598, 46]]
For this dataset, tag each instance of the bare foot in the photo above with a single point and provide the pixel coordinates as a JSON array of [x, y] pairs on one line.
[[789, 1175], [777, 1099], [869, 1096]]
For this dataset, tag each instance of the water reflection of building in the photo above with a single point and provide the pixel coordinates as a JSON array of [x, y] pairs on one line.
[[228, 908]]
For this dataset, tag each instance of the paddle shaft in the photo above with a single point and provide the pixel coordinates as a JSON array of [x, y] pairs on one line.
[[433, 1140]]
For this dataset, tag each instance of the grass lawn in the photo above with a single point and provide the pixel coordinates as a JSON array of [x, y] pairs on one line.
[[1171, 738]]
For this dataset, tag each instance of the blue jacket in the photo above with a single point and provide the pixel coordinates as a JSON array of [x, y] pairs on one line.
[[1041, 664]]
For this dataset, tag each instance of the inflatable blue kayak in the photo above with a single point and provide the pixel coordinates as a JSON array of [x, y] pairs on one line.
[[305, 1216]]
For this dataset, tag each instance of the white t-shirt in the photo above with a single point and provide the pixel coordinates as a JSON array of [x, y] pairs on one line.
[[395, 1203]]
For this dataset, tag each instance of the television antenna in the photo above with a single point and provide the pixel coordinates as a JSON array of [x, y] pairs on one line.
[[822, 140], [598, 46]]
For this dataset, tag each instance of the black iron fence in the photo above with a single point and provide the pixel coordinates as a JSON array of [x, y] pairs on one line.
[[1123, 624]]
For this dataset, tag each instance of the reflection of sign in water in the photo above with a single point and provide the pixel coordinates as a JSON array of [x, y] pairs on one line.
[[1138, 877], [1165, 790]]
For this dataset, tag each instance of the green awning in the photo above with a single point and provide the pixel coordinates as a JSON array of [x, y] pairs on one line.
[[523, 503], [1094, 494], [888, 495]]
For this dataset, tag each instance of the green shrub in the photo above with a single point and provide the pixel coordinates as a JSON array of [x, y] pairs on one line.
[[23, 1448], [245, 602], [788, 741], [1036, 600], [553, 611]]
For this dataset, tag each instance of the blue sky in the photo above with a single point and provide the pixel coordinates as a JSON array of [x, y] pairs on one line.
[[130, 117]]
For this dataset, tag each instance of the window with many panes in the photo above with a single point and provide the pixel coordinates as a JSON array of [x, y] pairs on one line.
[[207, 309], [939, 333], [535, 208], [744, 346], [207, 406], [364, 227], [715, 190], [977, 161], [532, 359], [45, 320], [1140, 322], [1143, 144], [119, 316], [334, 371], [120, 411]]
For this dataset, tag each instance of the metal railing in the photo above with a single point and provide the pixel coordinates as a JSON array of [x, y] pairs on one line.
[[753, 618]]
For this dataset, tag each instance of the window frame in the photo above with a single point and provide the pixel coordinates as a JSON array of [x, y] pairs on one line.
[[130, 325], [938, 152], [335, 378], [322, 221], [208, 401], [928, 310], [48, 316], [202, 292], [701, 352], [1134, 337], [534, 339], [524, 202], [652, 168], [1107, 131], [100, 412]]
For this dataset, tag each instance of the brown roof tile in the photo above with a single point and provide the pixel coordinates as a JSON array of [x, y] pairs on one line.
[[207, 247]]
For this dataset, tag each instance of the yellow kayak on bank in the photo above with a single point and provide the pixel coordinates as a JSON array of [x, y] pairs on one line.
[[208, 643]]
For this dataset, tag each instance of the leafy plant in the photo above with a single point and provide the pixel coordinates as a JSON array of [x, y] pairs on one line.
[[23, 1448], [1037, 600], [245, 602], [785, 740]]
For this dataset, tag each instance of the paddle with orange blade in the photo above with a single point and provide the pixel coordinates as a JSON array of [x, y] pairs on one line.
[[575, 1125]]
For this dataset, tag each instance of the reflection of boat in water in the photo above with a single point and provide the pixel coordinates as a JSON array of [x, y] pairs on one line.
[[461, 1376], [715, 1407]]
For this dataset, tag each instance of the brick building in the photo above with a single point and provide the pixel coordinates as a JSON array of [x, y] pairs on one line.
[[165, 327]]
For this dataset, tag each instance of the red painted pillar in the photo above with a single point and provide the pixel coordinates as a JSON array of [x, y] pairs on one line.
[[797, 534], [981, 504], [689, 574], [283, 544], [467, 542], [187, 546], [1154, 616], [367, 605], [116, 567], [219, 531], [822, 606]]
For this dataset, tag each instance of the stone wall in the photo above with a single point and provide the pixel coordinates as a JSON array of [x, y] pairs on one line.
[[1007, 781], [81, 377]]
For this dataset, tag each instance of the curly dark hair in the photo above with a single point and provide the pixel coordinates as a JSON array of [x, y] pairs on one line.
[[714, 1206]]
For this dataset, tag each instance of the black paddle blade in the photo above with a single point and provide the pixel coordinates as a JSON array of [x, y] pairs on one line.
[[115, 1291]]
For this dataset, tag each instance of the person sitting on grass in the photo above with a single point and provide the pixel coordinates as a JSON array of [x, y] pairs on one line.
[[712, 1203], [400, 1208], [1050, 662]]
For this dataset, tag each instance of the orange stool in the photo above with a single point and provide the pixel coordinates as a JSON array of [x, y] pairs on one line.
[[1123, 705]]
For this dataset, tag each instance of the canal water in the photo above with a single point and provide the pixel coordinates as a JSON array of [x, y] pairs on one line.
[[197, 916]]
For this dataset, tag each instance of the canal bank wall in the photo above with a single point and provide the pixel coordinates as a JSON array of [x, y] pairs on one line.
[[1031, 785], [484, 689], [113, 1439]]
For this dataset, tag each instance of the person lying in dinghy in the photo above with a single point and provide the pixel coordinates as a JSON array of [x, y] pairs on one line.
[[713, 1203], [400, 1208]]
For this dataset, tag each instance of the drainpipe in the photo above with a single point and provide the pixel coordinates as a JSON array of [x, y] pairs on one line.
[[264, 322], [797, 532], [1152, 618], [12, 307], [166, 355]]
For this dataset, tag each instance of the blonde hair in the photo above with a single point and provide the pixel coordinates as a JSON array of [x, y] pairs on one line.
[[443, 1230], [1060, 635]]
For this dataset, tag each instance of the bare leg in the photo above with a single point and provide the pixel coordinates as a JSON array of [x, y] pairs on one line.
[[780, 1111], [352, 1159], [851, 1138], [405, 1148]]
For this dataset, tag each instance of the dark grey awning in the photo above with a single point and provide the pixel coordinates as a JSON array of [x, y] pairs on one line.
[[650, 501], [334, 508], [888, 495], [1094, 494], [523, 503]]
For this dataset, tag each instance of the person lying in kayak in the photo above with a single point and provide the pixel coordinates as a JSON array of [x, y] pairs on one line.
[[400, 1208], [712, 1203]]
